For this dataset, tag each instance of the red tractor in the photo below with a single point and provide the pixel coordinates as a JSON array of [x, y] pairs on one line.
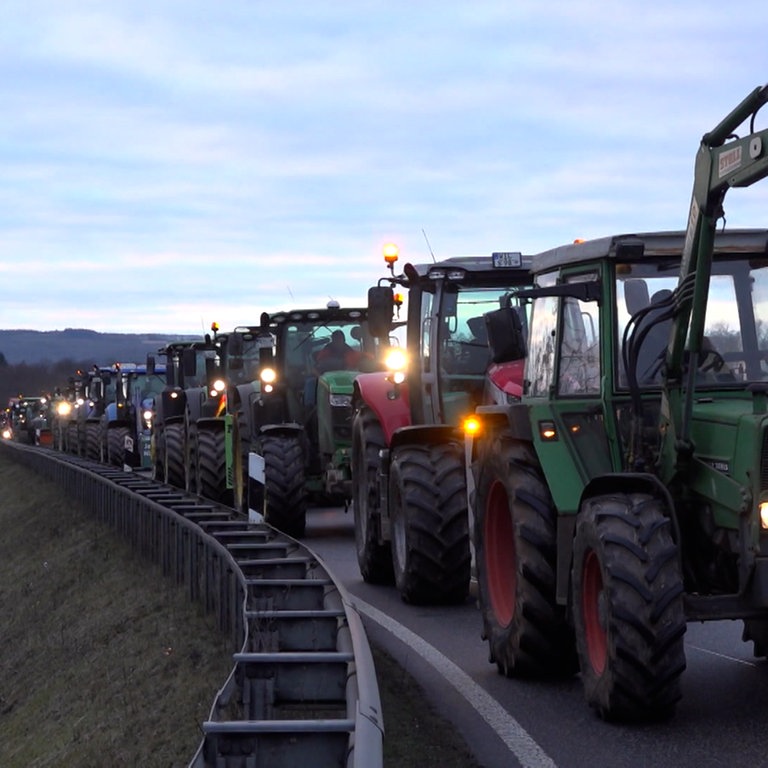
[[408, 469]]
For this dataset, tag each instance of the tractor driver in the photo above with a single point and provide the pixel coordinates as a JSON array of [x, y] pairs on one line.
[[336, 355]]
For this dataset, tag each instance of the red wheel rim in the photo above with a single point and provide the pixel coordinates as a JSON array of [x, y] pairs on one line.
[[500, 555], [595, 636]]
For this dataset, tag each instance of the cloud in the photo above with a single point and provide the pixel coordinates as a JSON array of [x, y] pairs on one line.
[[166, 161]]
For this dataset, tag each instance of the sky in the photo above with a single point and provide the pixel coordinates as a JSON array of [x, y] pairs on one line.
[[166, 164]]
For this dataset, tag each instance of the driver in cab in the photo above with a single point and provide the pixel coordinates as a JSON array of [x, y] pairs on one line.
[[336, 355]]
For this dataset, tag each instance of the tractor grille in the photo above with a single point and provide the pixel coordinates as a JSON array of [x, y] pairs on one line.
[[764, 462], [342, 423]]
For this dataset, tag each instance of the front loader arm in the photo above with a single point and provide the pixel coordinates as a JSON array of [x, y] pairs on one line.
[[723, 161]]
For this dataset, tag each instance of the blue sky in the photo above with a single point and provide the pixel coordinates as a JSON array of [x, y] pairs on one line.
[[166, 164]]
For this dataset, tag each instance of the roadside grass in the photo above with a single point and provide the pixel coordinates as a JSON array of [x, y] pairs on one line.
[[103, 661]]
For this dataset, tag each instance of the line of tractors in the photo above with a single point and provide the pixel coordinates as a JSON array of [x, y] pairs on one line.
[[581, 431]]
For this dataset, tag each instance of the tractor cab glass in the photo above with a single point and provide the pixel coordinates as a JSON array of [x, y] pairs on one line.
[[311, 348], [453, 348], [247, 351], [735, 345]]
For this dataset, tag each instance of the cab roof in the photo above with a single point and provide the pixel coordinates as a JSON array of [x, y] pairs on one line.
[[477, 268], [646, 245]]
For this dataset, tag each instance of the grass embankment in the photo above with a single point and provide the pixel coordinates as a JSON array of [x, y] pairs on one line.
[[103, 662]]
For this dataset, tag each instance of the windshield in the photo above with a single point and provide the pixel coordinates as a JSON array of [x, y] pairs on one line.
[[735, 344], [304, 341], [149, 384]]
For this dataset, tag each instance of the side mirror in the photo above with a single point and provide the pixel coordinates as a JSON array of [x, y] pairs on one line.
[[506, 338], [235, 345], [381, 305]]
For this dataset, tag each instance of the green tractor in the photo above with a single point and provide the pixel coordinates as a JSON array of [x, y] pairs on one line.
[[626, 494], [294, 407]]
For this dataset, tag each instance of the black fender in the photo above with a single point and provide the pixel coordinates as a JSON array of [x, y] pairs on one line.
[[289, 428], [426, 434]]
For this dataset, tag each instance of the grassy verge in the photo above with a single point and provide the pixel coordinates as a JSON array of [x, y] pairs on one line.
[[105, 662]]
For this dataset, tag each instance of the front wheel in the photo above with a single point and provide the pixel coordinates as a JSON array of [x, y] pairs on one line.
[[211, 458], [174, 455], [628, 607], [285, 491], [93, 441], [374, 557], [515, 548], [430, 535], [116, 445], [157, 443]]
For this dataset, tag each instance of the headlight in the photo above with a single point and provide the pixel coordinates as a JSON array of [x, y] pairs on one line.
[[396, 359], [64, 408], [147, 416], [268, 375], [218, 386], [340, 401], [764, 514], [6, 434]]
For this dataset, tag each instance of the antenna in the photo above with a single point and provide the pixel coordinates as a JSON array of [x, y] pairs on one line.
[[428, 245], [290, 292]]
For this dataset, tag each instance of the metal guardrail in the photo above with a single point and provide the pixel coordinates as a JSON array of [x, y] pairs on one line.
[[303, 689]]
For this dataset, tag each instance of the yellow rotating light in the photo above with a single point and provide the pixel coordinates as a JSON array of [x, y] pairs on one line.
[[268, 375], [391, 253]]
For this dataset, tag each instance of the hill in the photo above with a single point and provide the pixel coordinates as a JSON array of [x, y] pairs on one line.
[[107, 662], [35, 347]]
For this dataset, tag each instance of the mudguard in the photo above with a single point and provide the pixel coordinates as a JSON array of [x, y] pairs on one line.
[[507, 378], [375, 391]]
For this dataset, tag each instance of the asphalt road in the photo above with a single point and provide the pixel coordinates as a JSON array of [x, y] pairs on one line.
[[507, 722]]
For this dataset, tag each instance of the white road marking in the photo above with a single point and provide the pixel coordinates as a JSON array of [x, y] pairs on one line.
[[721, 655], [515, 737]]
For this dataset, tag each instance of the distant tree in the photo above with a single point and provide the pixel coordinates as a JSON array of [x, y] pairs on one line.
[[3, 361], [35, 380]]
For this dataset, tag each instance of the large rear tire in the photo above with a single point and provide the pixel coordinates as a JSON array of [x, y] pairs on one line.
[[212, 463], [373, 557], [430, 524], [515, 550], [286, 497], [628, 607], [174, 455]]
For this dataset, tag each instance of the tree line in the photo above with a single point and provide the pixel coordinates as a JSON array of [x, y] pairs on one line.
[[35, 379]]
